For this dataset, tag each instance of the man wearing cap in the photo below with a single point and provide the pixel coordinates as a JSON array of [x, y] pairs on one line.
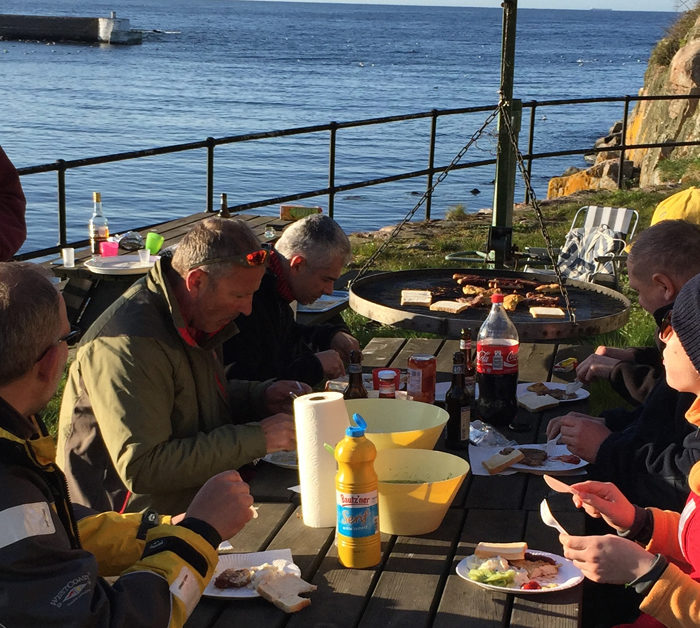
[[147, 414], [52, 555], [305, 263]]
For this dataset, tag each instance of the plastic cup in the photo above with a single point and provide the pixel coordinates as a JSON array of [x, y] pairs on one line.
[[68, 255], [144, 257], [153, 242], [109, 249]]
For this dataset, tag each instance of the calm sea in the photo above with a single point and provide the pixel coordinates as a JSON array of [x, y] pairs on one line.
[[220, 67]]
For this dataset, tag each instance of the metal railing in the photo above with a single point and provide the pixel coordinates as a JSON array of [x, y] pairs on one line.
[[62, 166]]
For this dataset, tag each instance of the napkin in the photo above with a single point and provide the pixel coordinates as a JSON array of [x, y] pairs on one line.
[[319, 418]]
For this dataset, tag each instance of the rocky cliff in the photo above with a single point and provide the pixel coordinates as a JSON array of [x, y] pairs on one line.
[[674, 69]]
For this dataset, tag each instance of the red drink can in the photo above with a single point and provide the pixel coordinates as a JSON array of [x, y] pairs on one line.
[[422, 372]]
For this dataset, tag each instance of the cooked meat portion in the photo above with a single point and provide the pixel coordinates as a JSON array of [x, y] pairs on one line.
[[233, 578]]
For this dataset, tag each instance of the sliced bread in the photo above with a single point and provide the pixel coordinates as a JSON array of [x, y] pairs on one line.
[[500, 462], [283, 591]]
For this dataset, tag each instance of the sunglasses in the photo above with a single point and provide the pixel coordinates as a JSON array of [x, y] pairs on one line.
[[665, 327], [255, 258], [70, 339]]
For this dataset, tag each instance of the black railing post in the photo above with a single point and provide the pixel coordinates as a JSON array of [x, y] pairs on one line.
[[623, 141], [61, 173], [331, 168], [210, 174], [431, 163], [530, 148]]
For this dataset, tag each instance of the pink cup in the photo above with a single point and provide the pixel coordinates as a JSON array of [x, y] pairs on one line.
[[109, 249]]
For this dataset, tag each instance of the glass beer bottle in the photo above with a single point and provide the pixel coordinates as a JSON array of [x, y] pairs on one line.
[[355, 388], [98, 227], [458, 406]]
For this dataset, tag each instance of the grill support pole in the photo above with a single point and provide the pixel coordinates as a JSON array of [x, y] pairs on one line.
[[500, 234]]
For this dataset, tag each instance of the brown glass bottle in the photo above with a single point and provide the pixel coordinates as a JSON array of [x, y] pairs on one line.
[[355, 388], [465, 345], [458, 405]]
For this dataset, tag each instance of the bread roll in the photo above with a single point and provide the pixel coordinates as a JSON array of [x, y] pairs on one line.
[[416, 297], [509, 551], [499, 462]]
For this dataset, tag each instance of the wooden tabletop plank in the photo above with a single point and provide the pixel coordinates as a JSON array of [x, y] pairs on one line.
[[445, 359], [535, 361], [411, 582], [341, 594], [381, 352], [555, 610], [464, 603], [415, 345]]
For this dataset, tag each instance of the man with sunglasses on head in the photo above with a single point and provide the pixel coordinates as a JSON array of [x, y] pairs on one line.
[[304, 265], [646, 453], [53, 556], [147, 414]]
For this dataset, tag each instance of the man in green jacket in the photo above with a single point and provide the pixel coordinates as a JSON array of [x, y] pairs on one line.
[[51, 562], [147, 414]]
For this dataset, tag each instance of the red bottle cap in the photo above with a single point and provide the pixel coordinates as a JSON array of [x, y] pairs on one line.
[[497, 297]]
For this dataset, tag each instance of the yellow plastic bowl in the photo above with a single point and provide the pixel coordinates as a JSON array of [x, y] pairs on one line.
[[393, 423], [416, 487]]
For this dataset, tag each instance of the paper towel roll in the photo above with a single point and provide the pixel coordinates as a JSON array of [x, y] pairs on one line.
[[319, 418]]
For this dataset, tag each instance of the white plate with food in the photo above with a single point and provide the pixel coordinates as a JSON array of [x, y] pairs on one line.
[[553, 389], [558, 459], [493, 575], [120, 265], [284, 459], [243, 570]]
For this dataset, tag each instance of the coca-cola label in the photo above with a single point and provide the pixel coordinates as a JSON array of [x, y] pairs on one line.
[[358, 514], [497, 359]]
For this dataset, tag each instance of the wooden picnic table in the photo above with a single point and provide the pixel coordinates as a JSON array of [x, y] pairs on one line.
[[415, 584], [87, 294]]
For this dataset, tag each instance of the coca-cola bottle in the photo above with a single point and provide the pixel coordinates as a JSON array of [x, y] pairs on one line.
[[497, 366]]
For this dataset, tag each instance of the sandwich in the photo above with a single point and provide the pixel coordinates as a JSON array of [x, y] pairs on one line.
[[283, 591], [416, 297], [509, 551], [534, 402], [547, 312], [453, 307], [501, 461]]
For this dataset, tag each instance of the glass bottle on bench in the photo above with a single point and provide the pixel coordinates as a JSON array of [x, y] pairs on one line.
[[98, 227], [355, 388]]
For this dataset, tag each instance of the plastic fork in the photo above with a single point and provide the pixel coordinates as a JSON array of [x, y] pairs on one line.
[[548, 517]]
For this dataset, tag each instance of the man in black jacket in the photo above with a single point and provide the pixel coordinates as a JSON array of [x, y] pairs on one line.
[[305, 263], [647, 455]]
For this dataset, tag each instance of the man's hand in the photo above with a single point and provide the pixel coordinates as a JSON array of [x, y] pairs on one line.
[[604, 499], [581, 433], [600, 364], [279, 431], [344, 343], [332, 363], [280, 395], [224, 502], [607, 558]]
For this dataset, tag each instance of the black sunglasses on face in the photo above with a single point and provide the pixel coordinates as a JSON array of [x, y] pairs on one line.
[[70, 339], [665, 328], [254, 258]]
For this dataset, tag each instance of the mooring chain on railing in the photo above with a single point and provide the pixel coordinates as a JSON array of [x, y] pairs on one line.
[[473, 139], [536, 206]]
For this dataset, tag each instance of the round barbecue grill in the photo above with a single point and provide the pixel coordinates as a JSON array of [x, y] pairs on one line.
[[597, 309]]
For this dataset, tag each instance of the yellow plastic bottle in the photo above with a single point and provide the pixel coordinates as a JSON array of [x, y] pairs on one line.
[[357, 531]]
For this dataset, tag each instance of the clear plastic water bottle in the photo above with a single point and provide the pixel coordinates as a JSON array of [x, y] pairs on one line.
[[497, 366], [357, 532]]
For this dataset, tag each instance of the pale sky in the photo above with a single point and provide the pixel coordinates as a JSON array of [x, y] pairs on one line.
[[617, 5]]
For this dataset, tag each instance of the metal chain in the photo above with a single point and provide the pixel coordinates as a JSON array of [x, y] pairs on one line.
[[475, 136], [536, 206]]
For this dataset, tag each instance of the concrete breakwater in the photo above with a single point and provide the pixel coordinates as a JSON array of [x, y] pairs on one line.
[[109, 30]]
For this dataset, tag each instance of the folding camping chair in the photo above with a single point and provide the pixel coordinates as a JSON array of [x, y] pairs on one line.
[[594, 247]]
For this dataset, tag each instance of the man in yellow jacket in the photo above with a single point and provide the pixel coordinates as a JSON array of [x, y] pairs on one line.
[[51, 560]]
